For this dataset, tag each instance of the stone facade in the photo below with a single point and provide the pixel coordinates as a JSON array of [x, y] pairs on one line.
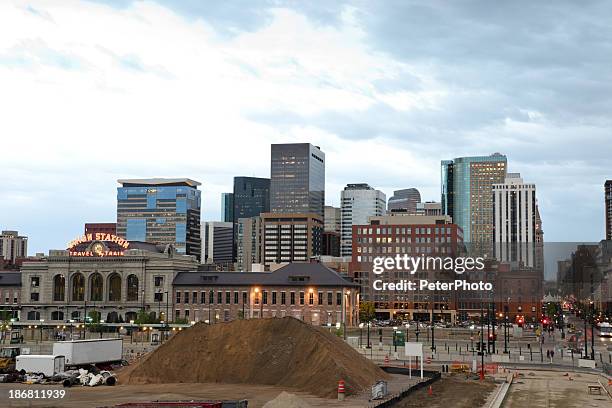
[[61, 287]]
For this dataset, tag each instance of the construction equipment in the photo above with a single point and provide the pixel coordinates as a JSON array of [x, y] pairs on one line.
[[8, 357]]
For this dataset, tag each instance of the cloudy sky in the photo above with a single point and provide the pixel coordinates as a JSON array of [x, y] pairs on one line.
[[93, 91]]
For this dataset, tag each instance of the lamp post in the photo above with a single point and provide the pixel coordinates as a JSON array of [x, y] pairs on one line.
[[407, 327], [506, 307], [493, 326], [592, 307], [481, 342], [41, 329], [369, 324], [259, 299], [586, 342], [488, 328], [360, 333], [394, 343], [142, 293], [433, 342], [344, 307]]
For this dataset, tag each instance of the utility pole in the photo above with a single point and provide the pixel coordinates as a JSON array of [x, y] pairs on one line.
[[481, 342], [592, 331]]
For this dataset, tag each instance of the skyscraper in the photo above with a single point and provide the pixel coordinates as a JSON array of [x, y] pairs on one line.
[[515, 220], [467, 194], [227, 207], [161, 211], [297, 179], [13, 246], [251, 197], [357, 203], [608, 198], [405, 200]]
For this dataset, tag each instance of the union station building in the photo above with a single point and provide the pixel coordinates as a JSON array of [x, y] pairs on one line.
[[102, 273]]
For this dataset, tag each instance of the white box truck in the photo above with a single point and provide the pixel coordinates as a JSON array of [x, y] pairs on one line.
[[41, 364], [81, 352]]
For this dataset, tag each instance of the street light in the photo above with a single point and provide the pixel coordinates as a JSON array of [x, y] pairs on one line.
[[344, 307], [260, 297], [394, 343], [592, 307], [407, 327], [360, 334]]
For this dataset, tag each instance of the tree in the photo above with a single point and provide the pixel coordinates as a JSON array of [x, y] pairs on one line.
[[367, 311], [146, 318]]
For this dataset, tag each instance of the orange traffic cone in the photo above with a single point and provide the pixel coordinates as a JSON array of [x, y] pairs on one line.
[[430, 391]]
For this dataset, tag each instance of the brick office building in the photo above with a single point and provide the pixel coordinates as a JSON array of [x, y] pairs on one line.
[[10, 294], [307, 291], [414, 236]]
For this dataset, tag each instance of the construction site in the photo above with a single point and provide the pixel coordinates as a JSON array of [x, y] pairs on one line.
[[273, 363]]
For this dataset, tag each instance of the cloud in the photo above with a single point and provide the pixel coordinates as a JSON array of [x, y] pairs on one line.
[[98, 90]]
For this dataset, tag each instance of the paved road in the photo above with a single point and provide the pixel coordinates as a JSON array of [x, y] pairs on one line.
[[535, 389]]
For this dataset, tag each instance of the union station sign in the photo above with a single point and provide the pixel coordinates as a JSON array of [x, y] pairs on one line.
[[98, 245]]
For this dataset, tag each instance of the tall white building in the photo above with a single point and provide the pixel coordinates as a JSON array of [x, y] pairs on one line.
[[13, 246], [357, 203], [515, 224]]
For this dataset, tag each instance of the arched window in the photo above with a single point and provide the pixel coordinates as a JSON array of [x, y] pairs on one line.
[[78, 287], [59, 287], [95, 287], [114, 288], [33, 315], [129, 316], [57, 315], [132, 288], [112, 317]]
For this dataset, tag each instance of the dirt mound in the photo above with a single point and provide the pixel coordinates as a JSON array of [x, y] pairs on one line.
[[286, 400], [284, 352]]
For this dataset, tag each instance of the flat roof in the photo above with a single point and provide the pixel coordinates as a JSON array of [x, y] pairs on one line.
[[158, 182], [10, 278]]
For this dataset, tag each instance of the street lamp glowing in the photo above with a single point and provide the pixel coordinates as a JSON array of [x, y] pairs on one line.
[[311, 290], [361, 325], [256, 290]]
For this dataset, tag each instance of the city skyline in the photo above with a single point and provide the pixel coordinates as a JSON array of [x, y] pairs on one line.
[[229, 82]]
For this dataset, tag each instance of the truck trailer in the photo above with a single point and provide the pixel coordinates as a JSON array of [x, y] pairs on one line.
[[93, 351], [41, 364]]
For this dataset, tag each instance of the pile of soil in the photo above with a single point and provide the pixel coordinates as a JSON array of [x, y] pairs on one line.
[[283, 352], [286, 400]]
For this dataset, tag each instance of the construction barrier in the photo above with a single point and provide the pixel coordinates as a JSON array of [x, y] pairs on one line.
[[341, 390]]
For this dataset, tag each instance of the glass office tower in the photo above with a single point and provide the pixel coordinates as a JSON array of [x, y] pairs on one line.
[[467, 193], [227, 207], [297, 179], [251, 197], [160, 211]]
